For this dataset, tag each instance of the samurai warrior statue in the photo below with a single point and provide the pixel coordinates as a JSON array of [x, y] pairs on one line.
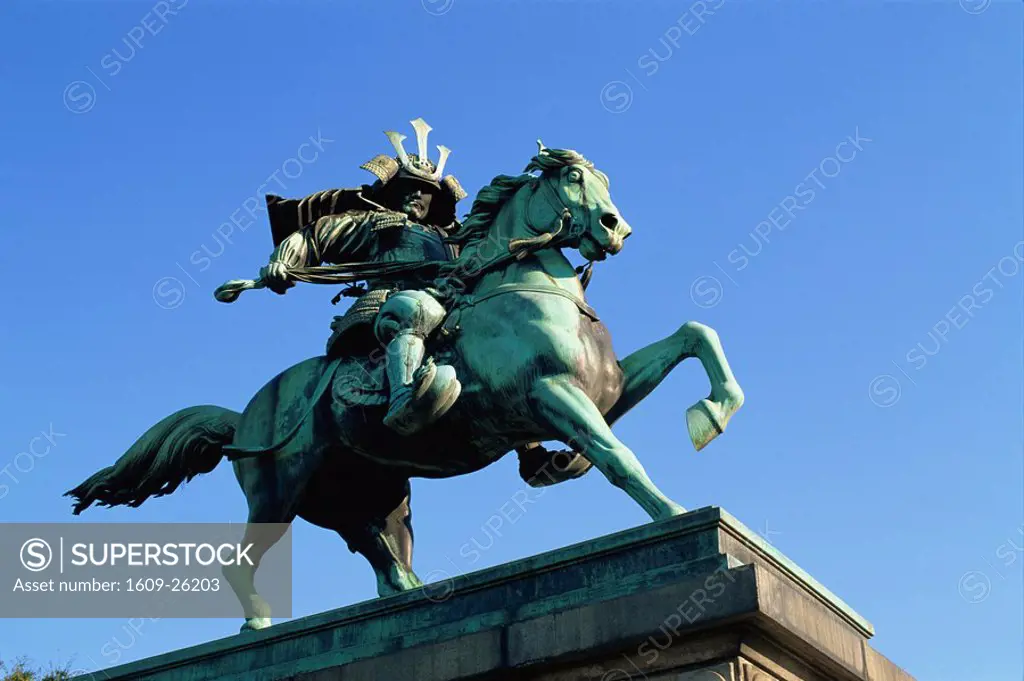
[[404, 216]]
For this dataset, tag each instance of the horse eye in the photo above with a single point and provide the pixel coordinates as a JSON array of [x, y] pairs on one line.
[[575, 176]]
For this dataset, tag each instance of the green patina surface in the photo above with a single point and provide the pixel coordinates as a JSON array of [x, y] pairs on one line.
[[474, 340], [642, 559]]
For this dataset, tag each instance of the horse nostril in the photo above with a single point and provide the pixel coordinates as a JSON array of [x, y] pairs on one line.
[[609, 220]]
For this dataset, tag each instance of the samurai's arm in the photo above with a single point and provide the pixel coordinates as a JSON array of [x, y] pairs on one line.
[[332, 238]]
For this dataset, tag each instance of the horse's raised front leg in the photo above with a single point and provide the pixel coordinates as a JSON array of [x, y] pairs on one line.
[[572, 416], [646, 368]]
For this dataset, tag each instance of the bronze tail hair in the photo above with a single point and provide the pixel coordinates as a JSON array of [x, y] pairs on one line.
[[183, 445]]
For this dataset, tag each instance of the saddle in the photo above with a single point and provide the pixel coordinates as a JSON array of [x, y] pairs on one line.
[[360, 379], [352, 332]]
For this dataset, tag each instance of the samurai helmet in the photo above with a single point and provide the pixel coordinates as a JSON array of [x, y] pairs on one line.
[[416, 167]]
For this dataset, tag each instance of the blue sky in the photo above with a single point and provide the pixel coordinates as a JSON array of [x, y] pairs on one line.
[[876, 332]]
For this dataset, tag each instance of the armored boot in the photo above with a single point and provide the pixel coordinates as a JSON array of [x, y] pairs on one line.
[[421, 391]]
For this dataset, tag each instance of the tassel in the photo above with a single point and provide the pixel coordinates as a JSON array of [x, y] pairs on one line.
[[585, 272], [351, 291]]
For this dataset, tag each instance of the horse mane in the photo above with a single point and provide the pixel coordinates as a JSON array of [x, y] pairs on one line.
[[490, 199]]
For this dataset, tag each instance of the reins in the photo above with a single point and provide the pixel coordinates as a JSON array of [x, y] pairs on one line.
[[567, 231], [352, 273]]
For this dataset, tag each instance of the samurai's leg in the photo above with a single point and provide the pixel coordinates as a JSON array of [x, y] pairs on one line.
[[421, 392]]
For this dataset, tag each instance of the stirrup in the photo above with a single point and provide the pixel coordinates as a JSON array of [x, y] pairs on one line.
[[428, 399]]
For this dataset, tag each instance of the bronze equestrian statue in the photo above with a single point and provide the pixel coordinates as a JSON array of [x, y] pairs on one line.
[[531, 359]]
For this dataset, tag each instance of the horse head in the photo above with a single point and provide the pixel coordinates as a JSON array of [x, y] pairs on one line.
[[570, 189], [566, 203]]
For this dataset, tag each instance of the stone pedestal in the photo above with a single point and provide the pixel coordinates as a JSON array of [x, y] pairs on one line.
[[696, 598]]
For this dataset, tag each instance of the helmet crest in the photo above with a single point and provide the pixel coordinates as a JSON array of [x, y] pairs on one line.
[[415, 166]]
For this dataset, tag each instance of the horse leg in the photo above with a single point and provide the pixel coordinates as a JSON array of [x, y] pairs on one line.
[[643, 371], [242, 578], [274, 485], [386, 543], [646, 368], [567, 411], [369, 507]]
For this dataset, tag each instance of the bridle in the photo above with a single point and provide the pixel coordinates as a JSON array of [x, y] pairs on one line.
[[560, 236], [567, 232]]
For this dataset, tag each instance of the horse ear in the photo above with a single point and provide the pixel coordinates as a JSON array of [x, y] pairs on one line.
[[540, 147]]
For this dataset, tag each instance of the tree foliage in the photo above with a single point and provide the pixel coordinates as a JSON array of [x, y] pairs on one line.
[[23, 670]]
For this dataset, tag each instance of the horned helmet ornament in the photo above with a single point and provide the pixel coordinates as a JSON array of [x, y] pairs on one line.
[[416, 166]]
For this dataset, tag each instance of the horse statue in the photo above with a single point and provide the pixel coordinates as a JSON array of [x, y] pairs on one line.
[[535, 362]]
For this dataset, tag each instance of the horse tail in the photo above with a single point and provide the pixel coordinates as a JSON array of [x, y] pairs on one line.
[[180, 447]]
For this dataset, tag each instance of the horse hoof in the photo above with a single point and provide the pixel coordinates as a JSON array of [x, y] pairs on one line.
[[395, 581], [702, 422], [557, 466], [674, 509], [255, 624]]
